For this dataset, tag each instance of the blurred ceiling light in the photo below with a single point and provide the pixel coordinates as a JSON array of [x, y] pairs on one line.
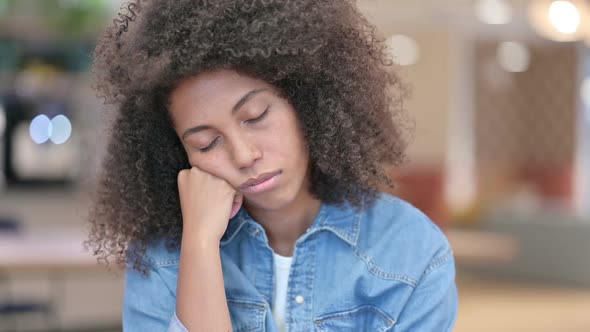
[[564, 16], [404, 50], [560, 20], [62, 129], [40, 129], [493, 11], [513, 57], [2, 120]]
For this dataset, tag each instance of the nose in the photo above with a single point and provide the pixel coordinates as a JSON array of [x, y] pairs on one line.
[[245, 152]]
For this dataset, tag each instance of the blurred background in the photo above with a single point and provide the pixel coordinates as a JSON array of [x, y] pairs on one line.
[[500, 157]]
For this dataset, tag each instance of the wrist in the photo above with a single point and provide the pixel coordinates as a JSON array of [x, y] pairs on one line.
[[199, 238]]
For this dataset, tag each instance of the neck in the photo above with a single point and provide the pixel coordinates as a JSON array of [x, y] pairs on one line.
[[284, 226]]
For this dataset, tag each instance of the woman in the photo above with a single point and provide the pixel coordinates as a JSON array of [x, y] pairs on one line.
[[241, 183]]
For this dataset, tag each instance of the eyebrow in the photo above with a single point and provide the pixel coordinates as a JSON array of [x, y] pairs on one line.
[[245, 98]]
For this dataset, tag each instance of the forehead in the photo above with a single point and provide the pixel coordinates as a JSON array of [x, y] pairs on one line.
[[218, 90]]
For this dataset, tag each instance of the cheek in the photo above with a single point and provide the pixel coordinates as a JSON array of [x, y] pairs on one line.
[[293, 138], [287, 132], [209, 164]]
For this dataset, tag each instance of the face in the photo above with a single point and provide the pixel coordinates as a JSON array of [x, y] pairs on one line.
[[237, 128]]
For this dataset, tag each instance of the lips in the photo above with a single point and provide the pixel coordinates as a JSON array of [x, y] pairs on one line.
[[261, 178]]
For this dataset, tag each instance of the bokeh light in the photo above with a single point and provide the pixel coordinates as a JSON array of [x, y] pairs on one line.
[[513, 56], [62, 129], [493, 11], [40, 129], [404, 50], [564, 16]]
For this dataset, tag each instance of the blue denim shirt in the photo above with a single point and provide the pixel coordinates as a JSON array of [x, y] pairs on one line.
[[385, 267]]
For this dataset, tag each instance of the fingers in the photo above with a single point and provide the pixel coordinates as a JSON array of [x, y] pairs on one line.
[[236, 205]]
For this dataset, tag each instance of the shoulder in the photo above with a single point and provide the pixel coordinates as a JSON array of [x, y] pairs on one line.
[[397, 218], [399, 237]]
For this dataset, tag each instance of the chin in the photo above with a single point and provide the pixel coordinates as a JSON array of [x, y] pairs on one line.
[[275, 200]]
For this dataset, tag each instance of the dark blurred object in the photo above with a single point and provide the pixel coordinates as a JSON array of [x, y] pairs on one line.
[[40, 84], [9, 311], [9, 225], [17, 111]]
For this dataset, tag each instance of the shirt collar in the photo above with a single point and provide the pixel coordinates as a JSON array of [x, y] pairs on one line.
[[235, 224], [341, 219]]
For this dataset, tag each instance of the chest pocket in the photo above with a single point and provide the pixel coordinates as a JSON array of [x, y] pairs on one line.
[[246, 316], [363, 318]]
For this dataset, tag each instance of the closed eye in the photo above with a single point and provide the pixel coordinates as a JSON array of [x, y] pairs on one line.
[[257, 119], [262, 116], [211, 146]]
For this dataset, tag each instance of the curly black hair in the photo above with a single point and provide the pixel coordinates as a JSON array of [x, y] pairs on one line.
[[322, 55]]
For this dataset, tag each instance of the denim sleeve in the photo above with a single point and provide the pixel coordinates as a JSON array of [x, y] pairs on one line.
[[433, 305], [176, 325], [149, 304]]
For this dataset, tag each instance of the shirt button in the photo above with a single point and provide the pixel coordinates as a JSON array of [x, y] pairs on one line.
[[299, 299], [256, 232]]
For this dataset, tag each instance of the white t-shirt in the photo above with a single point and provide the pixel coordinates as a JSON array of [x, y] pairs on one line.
[[282, 266]]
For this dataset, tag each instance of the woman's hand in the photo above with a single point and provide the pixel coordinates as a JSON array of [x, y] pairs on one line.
[[207, 203]]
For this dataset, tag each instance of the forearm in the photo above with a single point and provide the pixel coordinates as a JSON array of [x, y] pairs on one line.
[[200, 300]]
